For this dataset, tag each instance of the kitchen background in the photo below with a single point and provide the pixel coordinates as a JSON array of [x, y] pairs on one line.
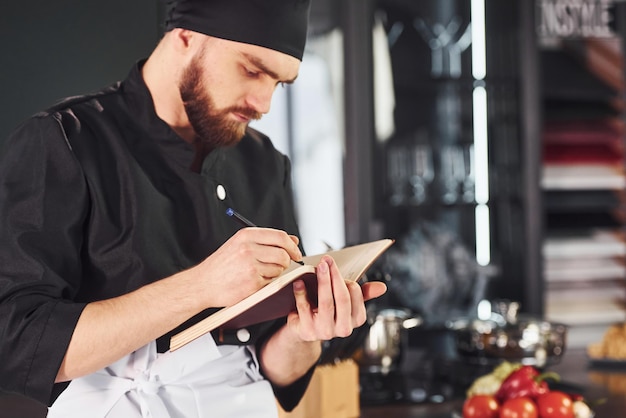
[[485, 136]]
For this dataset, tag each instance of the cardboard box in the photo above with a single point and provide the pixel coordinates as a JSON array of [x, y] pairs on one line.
[[332, 393]]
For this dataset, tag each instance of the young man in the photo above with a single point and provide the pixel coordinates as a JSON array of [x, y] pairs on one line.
[[113, 233]]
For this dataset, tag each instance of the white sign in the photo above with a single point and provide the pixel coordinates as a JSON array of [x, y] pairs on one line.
[[574, 18]]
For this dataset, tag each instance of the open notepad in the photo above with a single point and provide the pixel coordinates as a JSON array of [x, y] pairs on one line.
[[276, 299]]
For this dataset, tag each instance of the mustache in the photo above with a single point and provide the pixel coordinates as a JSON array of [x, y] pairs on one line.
[[244, 111]]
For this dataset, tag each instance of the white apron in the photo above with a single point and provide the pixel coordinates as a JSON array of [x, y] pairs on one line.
[[198, 380]]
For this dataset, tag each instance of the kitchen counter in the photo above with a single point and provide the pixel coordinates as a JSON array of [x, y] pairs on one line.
[[594, 381]]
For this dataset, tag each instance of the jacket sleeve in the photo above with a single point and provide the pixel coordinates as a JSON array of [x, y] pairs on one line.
[[287, 396], [43, 207]]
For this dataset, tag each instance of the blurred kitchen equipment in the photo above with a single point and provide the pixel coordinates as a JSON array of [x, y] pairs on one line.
[[435, 274], [502, 334], [383, 345]]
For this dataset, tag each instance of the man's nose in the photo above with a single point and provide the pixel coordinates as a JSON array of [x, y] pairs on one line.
[[261, 99]]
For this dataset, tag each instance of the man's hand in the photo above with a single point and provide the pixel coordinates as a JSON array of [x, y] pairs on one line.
[[245, 263], [340, 308], [295, 348], [238, 268]]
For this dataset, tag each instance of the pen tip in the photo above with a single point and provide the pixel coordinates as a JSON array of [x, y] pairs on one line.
[[229, 212]]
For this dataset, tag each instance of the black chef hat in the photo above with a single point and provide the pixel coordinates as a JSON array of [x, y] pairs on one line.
[[277, 24]]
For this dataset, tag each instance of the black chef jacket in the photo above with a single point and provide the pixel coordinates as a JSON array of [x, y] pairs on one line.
[[96, 200]]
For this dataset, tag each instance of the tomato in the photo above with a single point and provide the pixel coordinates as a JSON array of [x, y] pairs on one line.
[[480, 406], [519, 408], [555, 404]]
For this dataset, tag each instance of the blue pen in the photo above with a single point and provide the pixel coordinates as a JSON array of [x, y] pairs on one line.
[[230, 212]]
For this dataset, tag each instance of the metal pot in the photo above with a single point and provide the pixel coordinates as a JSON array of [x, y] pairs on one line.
[[383, 345], [508, 336]]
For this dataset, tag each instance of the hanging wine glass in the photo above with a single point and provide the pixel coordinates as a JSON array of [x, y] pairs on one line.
[[397, 174], [452, 173], [469, 185], [422, 173]]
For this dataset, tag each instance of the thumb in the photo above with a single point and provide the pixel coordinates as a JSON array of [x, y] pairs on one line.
[[372, 290]]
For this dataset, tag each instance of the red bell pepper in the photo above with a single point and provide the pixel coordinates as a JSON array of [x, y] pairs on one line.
[[525, 381]]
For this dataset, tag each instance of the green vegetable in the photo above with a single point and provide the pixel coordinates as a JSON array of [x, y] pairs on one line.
[[490, 383], [505, 369]]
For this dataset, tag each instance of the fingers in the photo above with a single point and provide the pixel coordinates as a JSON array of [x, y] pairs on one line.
[[245, 263], [325, 315], [343, 300], [296, 254], [276, 238], [372, 290], [318, 323], [341, 304], [271, 247], [358, 313], [303, 320]]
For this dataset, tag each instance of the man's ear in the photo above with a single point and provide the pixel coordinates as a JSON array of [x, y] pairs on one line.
[[183, 38]]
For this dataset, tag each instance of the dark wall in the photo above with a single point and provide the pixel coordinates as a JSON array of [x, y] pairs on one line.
[[57, 48]]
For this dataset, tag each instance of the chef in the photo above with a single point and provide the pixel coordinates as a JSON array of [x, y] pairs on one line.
[[113, 233]]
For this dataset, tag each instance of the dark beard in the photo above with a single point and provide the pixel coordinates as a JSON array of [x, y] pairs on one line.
[[214, 128]]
